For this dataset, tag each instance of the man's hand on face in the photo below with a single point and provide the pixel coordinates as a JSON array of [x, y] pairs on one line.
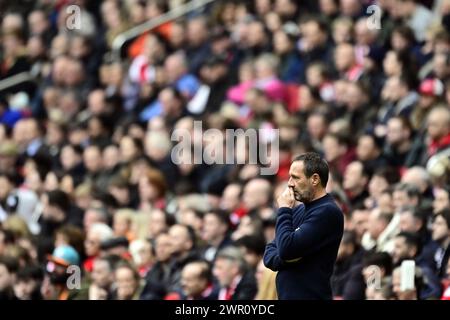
[[286, 199]]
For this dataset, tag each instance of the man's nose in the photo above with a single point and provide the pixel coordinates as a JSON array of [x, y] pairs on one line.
[[290, 182]]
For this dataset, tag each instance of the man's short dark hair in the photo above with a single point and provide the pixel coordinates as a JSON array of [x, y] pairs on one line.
[[411, 240], [59, 199], [205, 269], [314, 163], [380, 259], [444, 213], [253, 243], [221, 215]]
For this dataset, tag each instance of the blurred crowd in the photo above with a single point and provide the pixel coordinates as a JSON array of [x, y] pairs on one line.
[[93, 205]]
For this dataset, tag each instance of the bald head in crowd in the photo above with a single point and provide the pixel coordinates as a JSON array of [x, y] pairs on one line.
[[438, 124], [257, 193]]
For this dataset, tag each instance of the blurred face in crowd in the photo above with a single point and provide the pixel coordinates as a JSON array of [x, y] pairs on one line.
[[312, 35], [366, 148], [126, 283], [102, 274], [128, 149], [345, 250], [256, 193], [192, 281], [332, 149], [440, 66], [402, 250], [121, 225], [441, 200], [391, 65], [213, 228], [23, 289], [359, 221], [175, 67], [377, 185], [354, 179], [440, 229], [96, 101], [317, 126], [409, 223], [169, 102], [190, 218], [143, 256], [92, 216], [231, 197], [438, 124], [69, 158], [385, 202], [164, 247], [51, 212], [157, 223], [177, 35], [225, 270], [92, 243], [344, 57], [376, 224], [181, 242], [111, 156], [197, 32], [400, 199], [328, 7], [350, 8], [282, 43], [6, 278], [92, 159], [396, 133]]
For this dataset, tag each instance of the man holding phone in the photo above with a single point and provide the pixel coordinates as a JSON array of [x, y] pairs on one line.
[[308, 231]]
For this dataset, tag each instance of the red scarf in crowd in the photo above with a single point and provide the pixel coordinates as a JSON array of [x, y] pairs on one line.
[[436, 145]]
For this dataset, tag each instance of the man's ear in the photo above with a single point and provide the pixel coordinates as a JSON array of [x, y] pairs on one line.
[[315, 179]]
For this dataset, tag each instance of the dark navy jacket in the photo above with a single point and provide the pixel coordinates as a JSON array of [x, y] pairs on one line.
[[304, 251]]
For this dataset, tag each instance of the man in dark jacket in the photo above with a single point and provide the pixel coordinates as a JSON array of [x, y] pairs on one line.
[[307, 236], [236, 281]]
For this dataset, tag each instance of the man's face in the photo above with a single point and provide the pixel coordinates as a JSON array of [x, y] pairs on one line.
[[180, 239], [439, 229], [101, 273], [395, 133], [126, 283], [408, 223], [400, 199], [157, 223], [360, 220], [192, 284], [299, 183], [212, 227], [401, 250], [230, 199], [441, 200], [224, 270], [353, 176], [92, 244], [23, 289], [163, 247]]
